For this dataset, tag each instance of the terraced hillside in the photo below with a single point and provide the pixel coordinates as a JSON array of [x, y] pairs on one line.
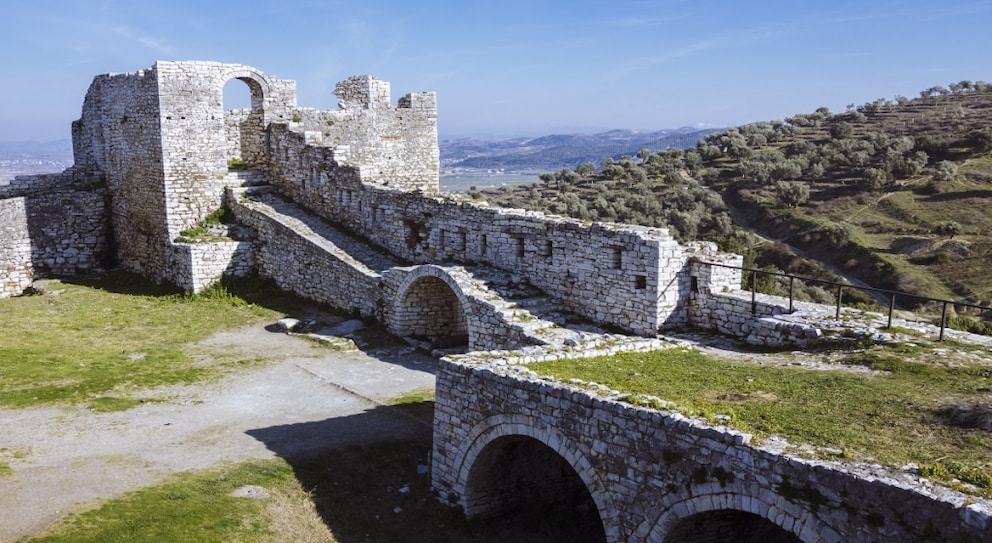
[[893, 192]]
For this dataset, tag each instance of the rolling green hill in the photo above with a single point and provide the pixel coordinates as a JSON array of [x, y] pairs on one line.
[[896, 193]]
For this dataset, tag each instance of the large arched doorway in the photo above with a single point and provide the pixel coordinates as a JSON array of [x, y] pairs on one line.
[[728, 526], [430, 309], [519, 482], [244, 121]]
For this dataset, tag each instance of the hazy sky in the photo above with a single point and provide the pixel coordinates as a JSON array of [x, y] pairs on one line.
[[509, 67]]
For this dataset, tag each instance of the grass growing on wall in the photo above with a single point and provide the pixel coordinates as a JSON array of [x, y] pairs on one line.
[[890, 415], [92, 341]]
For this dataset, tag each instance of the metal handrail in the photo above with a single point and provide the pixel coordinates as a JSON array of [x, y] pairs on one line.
[[840, 293]]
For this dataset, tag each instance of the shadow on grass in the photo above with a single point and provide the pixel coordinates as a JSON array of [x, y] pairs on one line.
[[961, 195], [258, 291], [374, 339], [368, 477], [123, 282]]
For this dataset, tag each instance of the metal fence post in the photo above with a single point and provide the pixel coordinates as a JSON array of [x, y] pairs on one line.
[[892, 306], [754, 293], [840, 294], [792, 282], [943, 321]]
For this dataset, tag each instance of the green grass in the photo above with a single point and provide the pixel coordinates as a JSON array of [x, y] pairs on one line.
[[968, 324], [418, 403], [192, 507], [96, 341], [359, 492], [888, 416]]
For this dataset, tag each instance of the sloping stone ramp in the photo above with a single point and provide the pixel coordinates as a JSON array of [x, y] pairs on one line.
[[312, 257]]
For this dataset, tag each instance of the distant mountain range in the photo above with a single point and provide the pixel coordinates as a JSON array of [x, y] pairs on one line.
[[537, 155], [549, 153]]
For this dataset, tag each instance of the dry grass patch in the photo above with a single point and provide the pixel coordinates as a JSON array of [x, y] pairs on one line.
[[293, 516]]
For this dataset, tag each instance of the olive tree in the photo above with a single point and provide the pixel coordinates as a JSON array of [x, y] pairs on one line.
[[792, 193]]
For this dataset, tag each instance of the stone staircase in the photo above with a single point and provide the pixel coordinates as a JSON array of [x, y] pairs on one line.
[[309, 224], [540, 316], [246, 178]]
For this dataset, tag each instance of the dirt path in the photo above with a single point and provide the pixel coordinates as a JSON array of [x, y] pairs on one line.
[[64, 458]]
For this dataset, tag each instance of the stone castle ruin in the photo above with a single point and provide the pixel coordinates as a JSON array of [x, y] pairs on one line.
[[343, 206]]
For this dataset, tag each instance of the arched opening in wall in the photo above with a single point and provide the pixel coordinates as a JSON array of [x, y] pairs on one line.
[[521, 485], [431, 310], [728, 526], [243, 122]]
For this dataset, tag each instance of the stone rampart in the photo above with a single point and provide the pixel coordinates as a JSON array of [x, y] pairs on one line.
[[53, 224], [654, 474], [195, 138], [419, 301], [161, 141], [395, 147], [158, 137], [628, 276], [300, 260]]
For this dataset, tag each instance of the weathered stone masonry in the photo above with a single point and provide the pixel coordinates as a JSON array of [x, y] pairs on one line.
[[152, 150], [160, 141], [655, 474], [343, 207], [51, 225]]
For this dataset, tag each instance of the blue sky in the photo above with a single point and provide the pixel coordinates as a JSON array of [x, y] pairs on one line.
[[509, 67]]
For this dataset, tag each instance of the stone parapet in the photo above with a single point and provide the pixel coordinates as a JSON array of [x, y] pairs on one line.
[[52, 225], [652, 473]]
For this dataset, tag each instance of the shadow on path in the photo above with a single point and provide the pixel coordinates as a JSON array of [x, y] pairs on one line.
[[368, 477]]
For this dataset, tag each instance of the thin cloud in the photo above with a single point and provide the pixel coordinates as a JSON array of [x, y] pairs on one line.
[[641, 63], [159, 46], [633, 22], [851, 54]]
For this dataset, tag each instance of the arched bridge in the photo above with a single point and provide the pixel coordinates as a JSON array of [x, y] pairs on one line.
[[506, 441]]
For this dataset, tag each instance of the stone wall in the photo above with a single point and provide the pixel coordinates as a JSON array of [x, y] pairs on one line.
[[757, 322], [160, 139], [52, 225], [628, 276], [195, 134], [299, 255], [234, 124], [16, 270], [653, 473], [717, 303], [395, 147], [118, 139], [302, 261], [195, 266]]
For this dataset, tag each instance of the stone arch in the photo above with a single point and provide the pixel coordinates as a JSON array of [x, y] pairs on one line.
[[728, 526], [717, 503], [258, 82], [494, 432], [431, 304], [244, 129]]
